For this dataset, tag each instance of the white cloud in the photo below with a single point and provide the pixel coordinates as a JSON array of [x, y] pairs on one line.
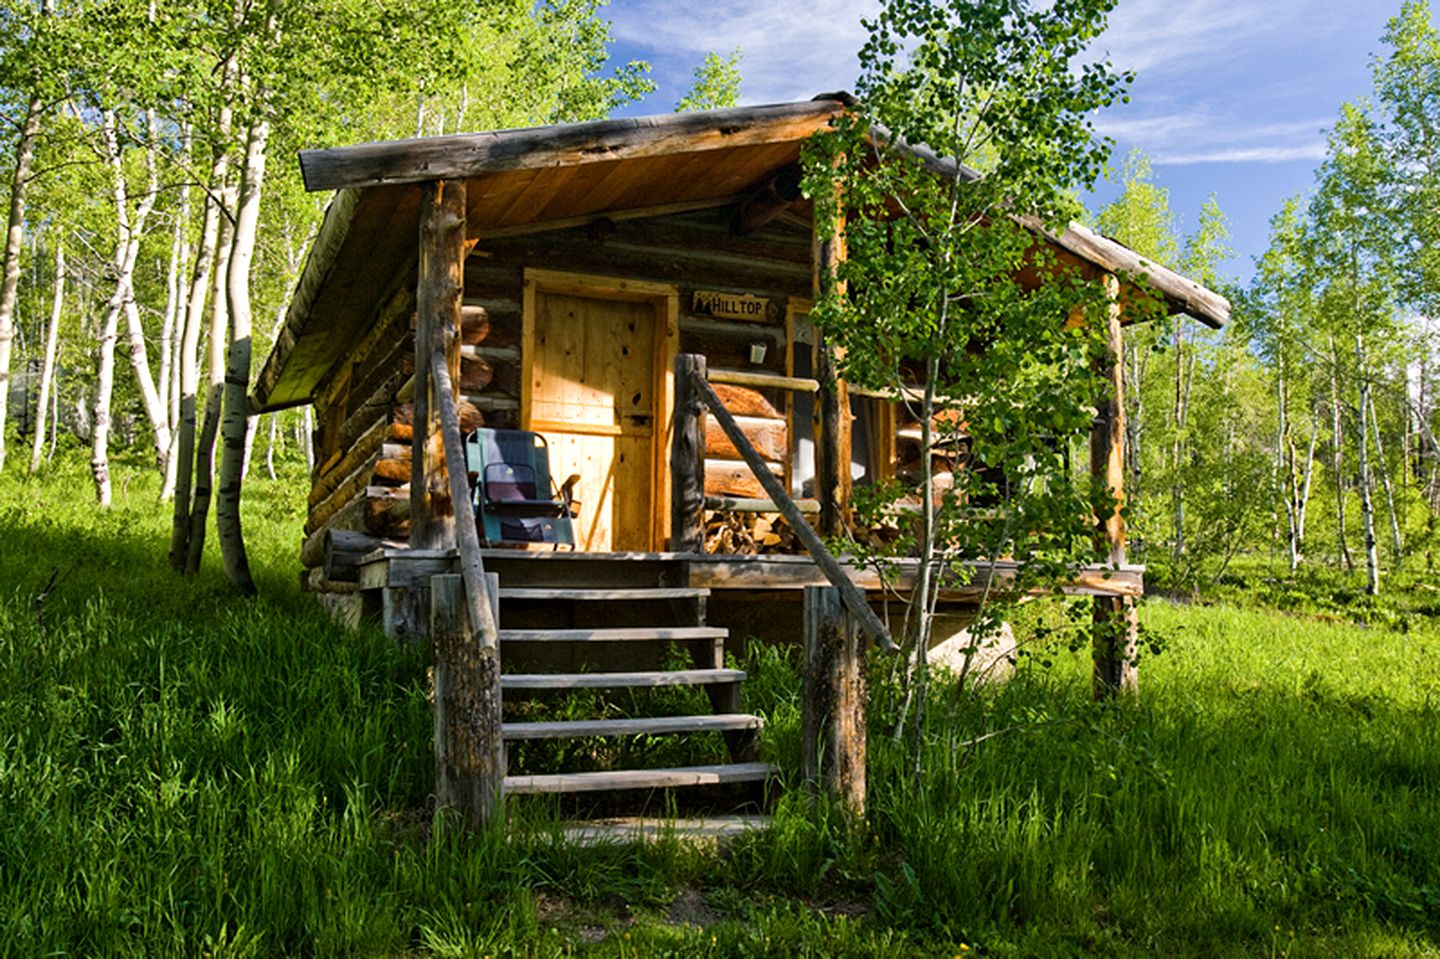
[[1186, 53], [792, 51], [1198, 136]]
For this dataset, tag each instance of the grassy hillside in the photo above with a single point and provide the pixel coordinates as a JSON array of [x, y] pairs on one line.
[[183, 772]]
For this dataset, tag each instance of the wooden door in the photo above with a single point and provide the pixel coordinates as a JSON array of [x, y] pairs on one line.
[[593, 396]]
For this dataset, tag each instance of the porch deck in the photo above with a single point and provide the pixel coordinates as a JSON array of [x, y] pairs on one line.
[[720, 573]]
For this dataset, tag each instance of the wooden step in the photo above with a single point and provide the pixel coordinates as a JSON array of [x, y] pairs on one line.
[[603, 595], [639, 779], [650, 725], [613, 633], [673, 677]]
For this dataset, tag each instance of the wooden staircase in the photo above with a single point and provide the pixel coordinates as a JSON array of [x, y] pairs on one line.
[[608, 626]]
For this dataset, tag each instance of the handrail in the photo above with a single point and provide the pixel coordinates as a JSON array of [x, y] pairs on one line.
[[850, 594], [765, 381], [472, 564]]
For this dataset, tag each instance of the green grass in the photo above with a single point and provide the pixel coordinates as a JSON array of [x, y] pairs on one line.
[[185, 772]]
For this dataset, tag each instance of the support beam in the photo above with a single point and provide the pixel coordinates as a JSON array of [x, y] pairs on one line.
[[469, 748], [1116, 622], [832, 433], [687, 458], [439, 292], [768, 201], [833, 709]]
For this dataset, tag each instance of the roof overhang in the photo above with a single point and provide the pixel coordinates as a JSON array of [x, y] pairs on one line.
[[550, 177]]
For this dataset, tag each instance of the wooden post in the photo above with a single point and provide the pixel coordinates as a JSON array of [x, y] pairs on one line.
[[833, 710], [687, 458], [469, 749], [1116, 622], [832, 435], [439, 289]]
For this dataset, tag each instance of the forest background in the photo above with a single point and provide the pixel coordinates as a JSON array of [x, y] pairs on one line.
[[142, 132], [163, 795]]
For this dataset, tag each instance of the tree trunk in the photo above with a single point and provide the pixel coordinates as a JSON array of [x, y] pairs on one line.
[[237, 421], [1367, 504], [47, 371], [1338, 461], [188, 362], [270, 445], [127, 254], [170, 344], [205, 444], [1397, 545], [14, 240]]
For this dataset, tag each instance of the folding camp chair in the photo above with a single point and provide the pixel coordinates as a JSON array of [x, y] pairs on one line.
[[512, 494]]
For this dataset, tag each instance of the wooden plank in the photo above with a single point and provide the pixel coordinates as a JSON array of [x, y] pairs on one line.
[[473, 154], [565, 222], [656, 678], [603, 595], [321, 262], [610, 634], [642, 726], [673, 777]]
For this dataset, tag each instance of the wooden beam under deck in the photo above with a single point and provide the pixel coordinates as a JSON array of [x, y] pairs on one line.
[[768, 575]]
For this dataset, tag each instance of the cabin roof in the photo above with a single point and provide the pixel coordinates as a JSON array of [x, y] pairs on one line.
[[565, 175]]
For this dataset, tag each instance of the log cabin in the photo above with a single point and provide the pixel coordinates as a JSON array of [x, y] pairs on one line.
[[606, 285]]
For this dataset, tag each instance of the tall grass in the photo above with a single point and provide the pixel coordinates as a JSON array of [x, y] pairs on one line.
[[185, 772]]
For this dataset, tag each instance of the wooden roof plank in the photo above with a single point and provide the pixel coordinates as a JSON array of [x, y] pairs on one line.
[[472, 154]]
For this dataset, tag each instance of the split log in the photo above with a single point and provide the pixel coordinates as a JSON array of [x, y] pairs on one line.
[[471, 418], [344, 549], [352, 485], [768, 201], [853, 598], [734, 478], [766, 435], [387, 511], [364, 448], [743, 401], [350, 516], [395, 471]]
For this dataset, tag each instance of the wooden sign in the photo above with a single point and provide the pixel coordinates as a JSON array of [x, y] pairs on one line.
[[731, 306]]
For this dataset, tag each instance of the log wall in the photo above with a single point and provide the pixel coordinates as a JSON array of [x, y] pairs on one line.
[[364, 410]]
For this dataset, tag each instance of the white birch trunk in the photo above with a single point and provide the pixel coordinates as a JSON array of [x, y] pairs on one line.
[[236, 425], [47, 371], [14, 241], [1397, 544], [188, 365], [1367, 503], [205, 443], [171, 344], [270, 445]]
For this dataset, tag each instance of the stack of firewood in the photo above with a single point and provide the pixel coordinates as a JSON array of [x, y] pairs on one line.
[[727, 531]]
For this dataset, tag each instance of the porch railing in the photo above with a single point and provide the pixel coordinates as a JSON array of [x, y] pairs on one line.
[[694, 399]]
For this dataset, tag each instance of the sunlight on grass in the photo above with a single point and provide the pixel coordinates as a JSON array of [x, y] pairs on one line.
[[185, 772]]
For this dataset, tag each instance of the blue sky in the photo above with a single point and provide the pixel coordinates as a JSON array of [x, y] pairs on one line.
[[1231, 97]]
